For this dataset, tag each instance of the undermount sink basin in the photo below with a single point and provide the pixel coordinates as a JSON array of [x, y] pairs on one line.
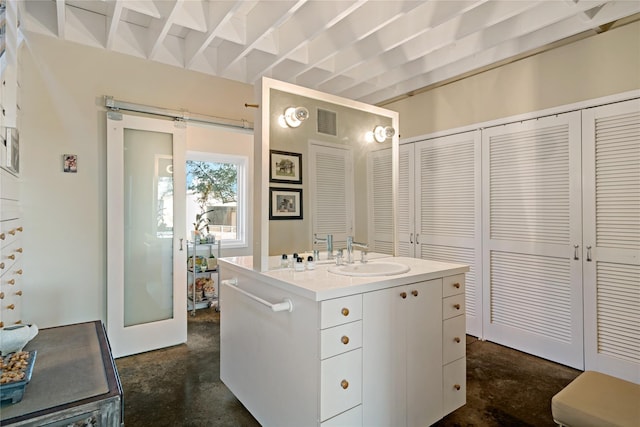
[[371, 268]]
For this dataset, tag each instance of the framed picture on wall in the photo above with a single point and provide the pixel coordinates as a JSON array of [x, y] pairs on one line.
[[13, 151], [285, 203], [285, 167]]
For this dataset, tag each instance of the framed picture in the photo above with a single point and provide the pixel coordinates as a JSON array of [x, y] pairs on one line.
[[285, 203], [70, 163], [13, 150], [285, 167]]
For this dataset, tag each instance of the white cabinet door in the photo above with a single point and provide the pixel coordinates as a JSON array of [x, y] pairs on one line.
[[402, 387], [611, 252], [532, 214]]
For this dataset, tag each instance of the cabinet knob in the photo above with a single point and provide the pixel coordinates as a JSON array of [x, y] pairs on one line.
[[414, 293], [345, 311], [1, 236], [19, 271], [12, 232], [11, 281], [456, 285], [19, 293], [457, 339], [344, 384], [1, 295], [1, 265], [456, 306], [1, 324], [457, 386], [12, 256], [403, 295], [20, 229], [345, 340], [11, 306], [19, 250]]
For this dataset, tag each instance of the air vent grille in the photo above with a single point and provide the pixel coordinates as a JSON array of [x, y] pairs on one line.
[[327, 122]]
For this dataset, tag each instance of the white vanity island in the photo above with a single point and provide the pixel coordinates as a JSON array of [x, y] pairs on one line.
[[344, 350]]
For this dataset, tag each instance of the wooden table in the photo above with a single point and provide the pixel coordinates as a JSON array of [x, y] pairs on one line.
[[74, 381]]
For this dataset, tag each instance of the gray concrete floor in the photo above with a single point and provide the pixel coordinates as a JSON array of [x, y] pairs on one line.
[[180, 386]]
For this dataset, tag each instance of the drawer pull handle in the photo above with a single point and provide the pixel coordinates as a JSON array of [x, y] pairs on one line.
[[12, 256], [11, 281], [456, 285], [19, 271], [403, 295], [345, 311], [1, 295], [12, 232], [344, 384], [1, 236], [19, 293], [11, 306], [457, 339], [19, 250], [20, 229], [457, 386], [345, 340], [1, 265], [456, 306], [414, 293]]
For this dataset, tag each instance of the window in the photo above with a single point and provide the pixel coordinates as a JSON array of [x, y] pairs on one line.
[[217, 197]]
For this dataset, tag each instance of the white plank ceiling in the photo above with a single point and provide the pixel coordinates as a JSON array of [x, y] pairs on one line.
[[367, 50]]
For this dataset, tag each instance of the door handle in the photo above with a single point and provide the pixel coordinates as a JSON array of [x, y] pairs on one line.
[[589, 253], [411, 238], [417, 242], [575, 252], [181, 239]]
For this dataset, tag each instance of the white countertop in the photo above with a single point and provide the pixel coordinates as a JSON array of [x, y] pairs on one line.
[[319, 284]]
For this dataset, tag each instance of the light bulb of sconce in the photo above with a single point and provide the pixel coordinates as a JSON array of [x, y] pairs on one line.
[[294, 116], [368, 137], [381, 133]]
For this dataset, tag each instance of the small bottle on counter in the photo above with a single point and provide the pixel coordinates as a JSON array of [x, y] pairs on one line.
[[299, 264], [311, 264], [284, 262]]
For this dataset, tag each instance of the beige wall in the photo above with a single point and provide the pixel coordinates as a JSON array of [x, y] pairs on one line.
[[605, 64], [62, 89]]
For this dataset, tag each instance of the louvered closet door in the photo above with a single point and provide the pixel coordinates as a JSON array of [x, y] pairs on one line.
[[448, 210], [380, 201], [611, 156], [332, 194], [532, 220], [406, 207]]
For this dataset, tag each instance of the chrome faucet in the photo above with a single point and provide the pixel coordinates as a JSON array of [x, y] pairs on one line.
[[329, 240], [350, 245]]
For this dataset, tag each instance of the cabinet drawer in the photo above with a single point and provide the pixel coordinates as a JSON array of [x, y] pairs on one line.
[[454, 380], [453, 339], [338, 311], [453, 285], [340, 383], [452, 306], [351, 418], [340, 339]]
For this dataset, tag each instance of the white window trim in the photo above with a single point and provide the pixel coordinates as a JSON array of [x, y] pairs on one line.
[[243, 196]]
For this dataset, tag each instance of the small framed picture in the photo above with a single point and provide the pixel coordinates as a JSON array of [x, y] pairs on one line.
[[285, 167], [285, 203], [70, 163]]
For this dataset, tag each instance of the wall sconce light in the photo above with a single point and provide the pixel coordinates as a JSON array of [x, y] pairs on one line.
[[380, 134], [293, 117]]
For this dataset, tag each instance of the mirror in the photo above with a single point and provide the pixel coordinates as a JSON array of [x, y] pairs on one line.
[[321, 171]]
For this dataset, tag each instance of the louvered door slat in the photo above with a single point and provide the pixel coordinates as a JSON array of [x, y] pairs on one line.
[[380, 201]]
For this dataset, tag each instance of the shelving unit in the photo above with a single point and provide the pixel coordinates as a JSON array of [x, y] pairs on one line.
[[199, 299]]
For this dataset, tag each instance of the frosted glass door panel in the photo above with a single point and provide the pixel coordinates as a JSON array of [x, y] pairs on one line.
[[148, 228]]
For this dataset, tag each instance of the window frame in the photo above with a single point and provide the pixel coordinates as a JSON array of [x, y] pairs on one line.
[[241, 163]]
